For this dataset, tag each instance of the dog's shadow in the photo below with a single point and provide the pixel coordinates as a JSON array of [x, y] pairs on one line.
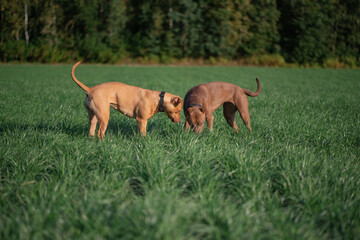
[[122, 126], [42, 126], [115, 127], [128, 128], [118, 126]]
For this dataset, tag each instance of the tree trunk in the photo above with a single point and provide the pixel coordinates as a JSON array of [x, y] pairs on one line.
[[26, 24]]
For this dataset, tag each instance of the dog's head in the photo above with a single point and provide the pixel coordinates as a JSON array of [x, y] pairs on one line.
[[196, 117], [173, 107]]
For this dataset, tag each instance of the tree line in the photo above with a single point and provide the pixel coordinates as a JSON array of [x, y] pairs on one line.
[[304, 32]]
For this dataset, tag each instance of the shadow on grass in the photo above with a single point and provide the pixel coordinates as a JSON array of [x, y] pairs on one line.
[[137, 186], [123, 127], [16, 127]]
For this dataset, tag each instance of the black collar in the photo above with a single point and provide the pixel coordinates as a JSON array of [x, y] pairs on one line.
[[161, 103], [194, 104]]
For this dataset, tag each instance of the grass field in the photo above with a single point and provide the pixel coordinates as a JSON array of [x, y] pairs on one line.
[[296, 176]]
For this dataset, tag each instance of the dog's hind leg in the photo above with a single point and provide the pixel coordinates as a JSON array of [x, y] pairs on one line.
[[103, 116], [91, 114], [93, 121], [229, 110], [242, 105]]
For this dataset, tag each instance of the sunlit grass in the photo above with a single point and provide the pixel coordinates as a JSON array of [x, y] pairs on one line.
[[295, 176]]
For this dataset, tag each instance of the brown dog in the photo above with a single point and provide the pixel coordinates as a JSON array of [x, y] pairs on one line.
[[131, 101], [201, 101]]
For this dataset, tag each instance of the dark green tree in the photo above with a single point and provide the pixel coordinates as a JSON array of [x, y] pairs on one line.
[[302, 31], [305, 29], [263, 36]]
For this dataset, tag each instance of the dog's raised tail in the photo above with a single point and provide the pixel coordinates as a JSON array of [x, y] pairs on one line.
[[253, 94], [80, 84]]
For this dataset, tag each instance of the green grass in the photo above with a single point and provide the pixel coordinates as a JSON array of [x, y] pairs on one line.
[[296, 176]]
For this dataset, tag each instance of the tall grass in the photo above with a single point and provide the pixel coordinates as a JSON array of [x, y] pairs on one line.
[[296, 176]]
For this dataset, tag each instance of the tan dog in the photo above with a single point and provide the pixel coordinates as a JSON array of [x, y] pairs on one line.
[[131, 101], [201, 101]]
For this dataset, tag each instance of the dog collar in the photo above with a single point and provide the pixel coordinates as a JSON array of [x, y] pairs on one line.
[[161, 103], [195, 104]]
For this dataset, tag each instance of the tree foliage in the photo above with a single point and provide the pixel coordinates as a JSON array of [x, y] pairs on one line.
[[301, 31]]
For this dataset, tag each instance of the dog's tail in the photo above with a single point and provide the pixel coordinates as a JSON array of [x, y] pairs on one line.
[[253, 94], [80, 84]]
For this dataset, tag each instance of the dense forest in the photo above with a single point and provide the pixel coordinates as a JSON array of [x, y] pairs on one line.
[[302, 32]]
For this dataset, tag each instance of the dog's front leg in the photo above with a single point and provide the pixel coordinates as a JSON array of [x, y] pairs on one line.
[[210, 120], [187, 125], [142, 126]]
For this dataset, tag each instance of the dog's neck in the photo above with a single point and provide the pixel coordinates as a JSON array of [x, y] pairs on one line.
[[161, 102]]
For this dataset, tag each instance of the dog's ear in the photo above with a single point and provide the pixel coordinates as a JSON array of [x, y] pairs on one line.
[[176, 101], [190, 110]]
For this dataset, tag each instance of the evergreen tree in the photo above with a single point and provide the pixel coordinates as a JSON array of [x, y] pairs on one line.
[[263, 34], [303, 31]]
